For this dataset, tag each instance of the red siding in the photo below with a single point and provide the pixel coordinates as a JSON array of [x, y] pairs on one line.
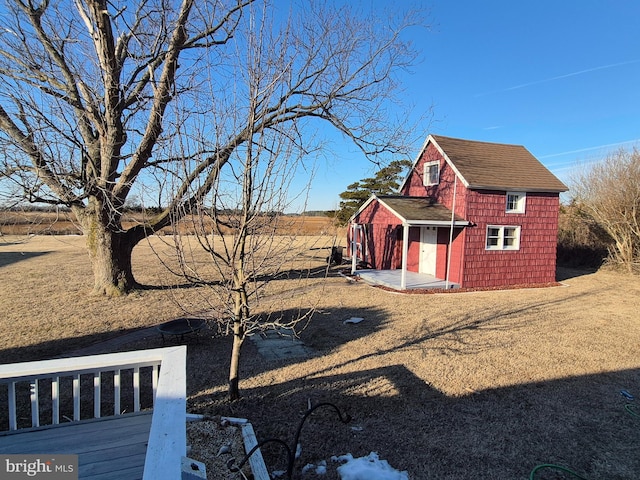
[[443, 192], [413, 252], [457, 250], [384, 242], [534, 262]]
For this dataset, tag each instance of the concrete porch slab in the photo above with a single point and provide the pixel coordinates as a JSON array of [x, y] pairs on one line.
[[414, 281]]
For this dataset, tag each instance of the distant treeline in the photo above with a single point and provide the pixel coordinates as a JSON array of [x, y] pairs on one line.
[[155, 210]]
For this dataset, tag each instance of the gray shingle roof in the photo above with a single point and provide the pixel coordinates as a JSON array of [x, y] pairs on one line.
[[497, 166], [418, 209]]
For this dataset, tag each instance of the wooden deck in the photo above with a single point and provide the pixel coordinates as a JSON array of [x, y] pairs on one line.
[[109, 448]]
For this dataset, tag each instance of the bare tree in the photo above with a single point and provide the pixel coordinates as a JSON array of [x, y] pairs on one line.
[[254, 273], [609, 192], [97, 99], [238, 223]]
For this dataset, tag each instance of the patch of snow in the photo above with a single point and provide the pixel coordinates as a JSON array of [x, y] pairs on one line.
[[308, 467], [367, 468], [298, 450], [321, 469]]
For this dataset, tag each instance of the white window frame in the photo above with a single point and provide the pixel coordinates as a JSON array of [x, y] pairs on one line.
[[505, 237], [426, 177], [520, 202]]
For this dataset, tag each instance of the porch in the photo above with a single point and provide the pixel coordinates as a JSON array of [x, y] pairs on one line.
[[107, 448], [413, 281], [143, 444]]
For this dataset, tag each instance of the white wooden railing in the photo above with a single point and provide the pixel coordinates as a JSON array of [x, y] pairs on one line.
[[167, 438]]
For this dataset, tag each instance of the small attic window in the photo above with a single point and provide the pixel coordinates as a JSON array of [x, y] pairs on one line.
[[431, 173], [515, 202]]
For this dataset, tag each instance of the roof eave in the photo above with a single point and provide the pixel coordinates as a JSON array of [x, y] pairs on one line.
[[504, 188], [438, 223]]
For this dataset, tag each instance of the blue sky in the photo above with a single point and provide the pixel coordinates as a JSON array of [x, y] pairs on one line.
[[560, 77]]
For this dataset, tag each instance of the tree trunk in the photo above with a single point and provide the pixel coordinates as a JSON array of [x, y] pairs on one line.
[[110, 254], [234, 368], [110, 249], [241, 315]]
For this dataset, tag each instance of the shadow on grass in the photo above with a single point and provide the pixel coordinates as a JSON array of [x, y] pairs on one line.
[[292, 274], [578, 422], [566, 273], [8, 258], [500, 433], [503, 433], [46, 349]]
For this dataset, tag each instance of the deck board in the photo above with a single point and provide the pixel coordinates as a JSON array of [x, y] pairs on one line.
[[107, 448]]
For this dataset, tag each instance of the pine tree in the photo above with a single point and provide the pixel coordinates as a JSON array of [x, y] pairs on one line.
[[385, 182]]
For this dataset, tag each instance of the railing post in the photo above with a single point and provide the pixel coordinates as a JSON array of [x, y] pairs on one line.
[[76, 397], [116, 392], [96, 394], [55, 400], [136, 389], [35, 409], [13, 417]]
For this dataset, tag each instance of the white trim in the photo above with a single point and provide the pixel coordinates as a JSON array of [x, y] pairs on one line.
[[436, 223], [520, 204], [500, 238], [362, 207], [426, 143], [426, 173], [453, 223], [168, 437], [405, 253], [80, 365]]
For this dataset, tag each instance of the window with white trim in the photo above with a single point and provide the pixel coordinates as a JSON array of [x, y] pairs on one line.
[[503, 237], [431, 173], [515, 202]]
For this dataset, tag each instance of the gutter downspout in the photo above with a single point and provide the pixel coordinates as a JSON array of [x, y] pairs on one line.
[[453, 213], [405, 252]]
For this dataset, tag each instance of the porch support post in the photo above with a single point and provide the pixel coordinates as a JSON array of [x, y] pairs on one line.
[[405, 252], [354, 248]]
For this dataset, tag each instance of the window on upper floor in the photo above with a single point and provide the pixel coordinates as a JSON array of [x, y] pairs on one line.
[[431, 173], [503, 237], [516, 202]]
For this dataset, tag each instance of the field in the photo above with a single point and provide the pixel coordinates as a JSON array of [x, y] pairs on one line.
[[64, 223], [445, 386]]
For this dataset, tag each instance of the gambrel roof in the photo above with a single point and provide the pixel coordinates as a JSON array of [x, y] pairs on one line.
[[494, 166]]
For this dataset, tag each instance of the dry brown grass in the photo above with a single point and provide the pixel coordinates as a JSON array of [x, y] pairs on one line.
[[64, 223], [451, 386]]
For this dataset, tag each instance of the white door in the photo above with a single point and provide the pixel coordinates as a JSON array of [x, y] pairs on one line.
[[428, 247]]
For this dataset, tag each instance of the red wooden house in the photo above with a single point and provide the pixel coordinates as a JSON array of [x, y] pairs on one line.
[[474, 214]]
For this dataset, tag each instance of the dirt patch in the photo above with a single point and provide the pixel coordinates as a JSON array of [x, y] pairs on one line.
[[214, 442]]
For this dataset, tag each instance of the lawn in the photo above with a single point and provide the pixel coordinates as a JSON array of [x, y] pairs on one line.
[[444, 386]]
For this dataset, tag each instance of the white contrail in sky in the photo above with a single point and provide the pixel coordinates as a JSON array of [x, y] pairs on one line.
[[580, 150], [559, 77]]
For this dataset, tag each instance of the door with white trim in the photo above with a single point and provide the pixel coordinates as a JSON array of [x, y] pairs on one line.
[[428, 249]]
